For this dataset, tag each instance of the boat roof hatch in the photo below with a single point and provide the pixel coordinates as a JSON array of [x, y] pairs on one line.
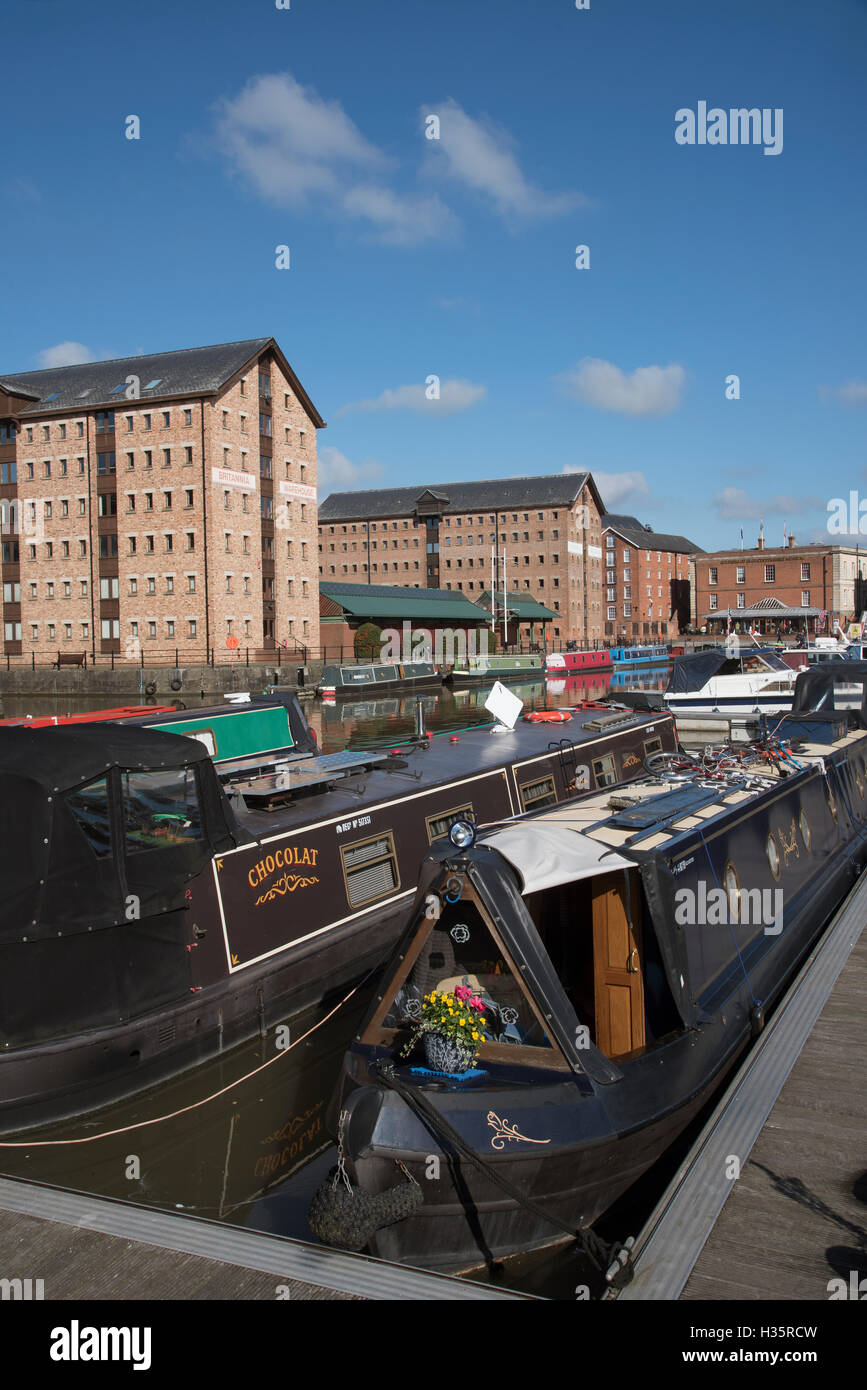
[[548, 854]]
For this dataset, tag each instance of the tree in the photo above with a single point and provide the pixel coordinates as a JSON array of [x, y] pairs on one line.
[[368, 641]]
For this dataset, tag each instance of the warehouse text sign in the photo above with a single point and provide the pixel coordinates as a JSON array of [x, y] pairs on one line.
[[302, 491]]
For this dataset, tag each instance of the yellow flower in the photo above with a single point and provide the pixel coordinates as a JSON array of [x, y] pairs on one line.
[[475, 1037], [461, 1021]]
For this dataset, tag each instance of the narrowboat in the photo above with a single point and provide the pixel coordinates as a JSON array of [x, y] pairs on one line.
[[640, 656], [165, 900], [404, 675], [748, 681], [240, 735], [577, 663], [94, 716], [616, 954], [479, 670]]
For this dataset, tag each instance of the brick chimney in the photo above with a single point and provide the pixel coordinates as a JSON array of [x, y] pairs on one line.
[[761, 543], [791, 542]]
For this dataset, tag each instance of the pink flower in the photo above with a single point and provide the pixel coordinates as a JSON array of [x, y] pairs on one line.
[[462, 992], [476, 1003]]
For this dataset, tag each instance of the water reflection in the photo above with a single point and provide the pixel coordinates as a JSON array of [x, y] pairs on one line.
[[211, 1157], [342, 723]]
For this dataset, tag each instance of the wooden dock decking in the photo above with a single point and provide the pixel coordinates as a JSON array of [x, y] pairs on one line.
[[85, 1248], [794, 1116], [797, 1216]]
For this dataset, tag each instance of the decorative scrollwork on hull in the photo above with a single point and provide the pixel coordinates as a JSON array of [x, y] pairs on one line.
[[506, 1131], [789, 846]]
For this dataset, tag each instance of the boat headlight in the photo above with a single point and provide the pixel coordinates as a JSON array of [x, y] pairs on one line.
[[462, 834]]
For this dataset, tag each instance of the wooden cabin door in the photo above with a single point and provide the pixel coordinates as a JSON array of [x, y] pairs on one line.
[[618, 978]]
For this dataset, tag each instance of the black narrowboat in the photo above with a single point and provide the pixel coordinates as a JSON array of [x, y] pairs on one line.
[[160, 906], [378, 677], [620, 951]]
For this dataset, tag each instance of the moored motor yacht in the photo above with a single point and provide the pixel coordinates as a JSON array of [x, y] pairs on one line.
[[745, 681]]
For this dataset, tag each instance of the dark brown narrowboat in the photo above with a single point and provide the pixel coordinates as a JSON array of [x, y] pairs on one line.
[[161, 907]]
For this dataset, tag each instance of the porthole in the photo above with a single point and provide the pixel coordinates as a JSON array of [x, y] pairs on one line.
[[773, 856], [804, 825], [733, 892]]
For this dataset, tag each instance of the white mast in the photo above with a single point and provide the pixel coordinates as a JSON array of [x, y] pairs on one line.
[[505, 609]]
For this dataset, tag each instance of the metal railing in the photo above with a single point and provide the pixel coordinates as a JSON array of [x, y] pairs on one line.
[[173, 657]]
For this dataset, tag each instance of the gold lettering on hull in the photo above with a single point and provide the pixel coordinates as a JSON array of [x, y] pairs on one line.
[[291, 857]]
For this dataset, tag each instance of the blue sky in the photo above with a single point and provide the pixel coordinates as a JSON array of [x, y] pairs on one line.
[[455, 258]]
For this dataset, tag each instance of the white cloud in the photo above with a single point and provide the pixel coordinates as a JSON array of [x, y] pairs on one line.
[[646, 391], [454, 396], [25, 191], [616, 489], [400, 219], [481, 156], [852, 393], [336, 472], [65, 355], [735, 504], [298, 150]]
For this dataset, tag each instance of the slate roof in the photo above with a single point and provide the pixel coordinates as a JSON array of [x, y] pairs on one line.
[[182, 373], [487, 495], [631, 530], [395, 601]]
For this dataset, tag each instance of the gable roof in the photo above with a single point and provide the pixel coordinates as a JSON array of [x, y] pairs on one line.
[[487, 495], [630, 529], [523, 606], [183, 372]]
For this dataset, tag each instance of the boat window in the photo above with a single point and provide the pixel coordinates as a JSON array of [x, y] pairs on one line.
[[652, 745], [461, 950], [370, 869], [805, 829], [536, 794], [605, 771], [773, 856], [160, 809], [89, 805], [439, 826]]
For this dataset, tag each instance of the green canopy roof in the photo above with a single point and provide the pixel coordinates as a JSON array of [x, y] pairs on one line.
[[521, 606], [422, 606]]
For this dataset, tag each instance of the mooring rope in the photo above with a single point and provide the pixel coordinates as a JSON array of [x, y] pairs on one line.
[[601, 1255], [194, 1105]]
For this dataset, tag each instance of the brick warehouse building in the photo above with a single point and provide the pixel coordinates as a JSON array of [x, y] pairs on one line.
[[158, 503], [441, 536], [788, 586], [648, 580]]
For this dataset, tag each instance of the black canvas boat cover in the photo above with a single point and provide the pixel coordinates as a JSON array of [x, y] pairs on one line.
[[73, 862], [833, 686], [693, 672]]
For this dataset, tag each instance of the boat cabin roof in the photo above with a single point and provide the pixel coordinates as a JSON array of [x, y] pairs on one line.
[[594, 834], [264, 806]]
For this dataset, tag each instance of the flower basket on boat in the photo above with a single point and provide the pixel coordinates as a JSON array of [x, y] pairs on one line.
[[452, 1026]]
